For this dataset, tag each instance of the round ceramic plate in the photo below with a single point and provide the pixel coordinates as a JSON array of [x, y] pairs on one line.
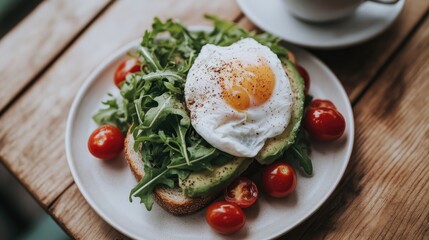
[[106, 185], [369, 20]]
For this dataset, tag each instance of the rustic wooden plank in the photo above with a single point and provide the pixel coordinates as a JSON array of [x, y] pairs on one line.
[[74, 214], [384, 194], [32, 130], [41, 36], [358, 65]]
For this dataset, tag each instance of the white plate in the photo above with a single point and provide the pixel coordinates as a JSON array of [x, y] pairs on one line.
[[369, 20], [106, 186]]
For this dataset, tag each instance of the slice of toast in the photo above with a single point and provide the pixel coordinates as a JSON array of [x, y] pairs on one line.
[[171, 199]]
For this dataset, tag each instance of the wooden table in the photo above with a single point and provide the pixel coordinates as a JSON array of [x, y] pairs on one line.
[[384, 193]]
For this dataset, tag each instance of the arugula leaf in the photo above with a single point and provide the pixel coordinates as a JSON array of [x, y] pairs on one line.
[[307, 100], [145, 187], [167, 105], [181, 130], [301, 150], [113, 114]]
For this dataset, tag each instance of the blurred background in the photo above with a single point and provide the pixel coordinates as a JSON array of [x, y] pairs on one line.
[[20, 215]]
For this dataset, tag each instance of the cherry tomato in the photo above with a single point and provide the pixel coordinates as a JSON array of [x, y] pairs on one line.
[[318, 103], [225, 217], [279, 179], [291, 57], [106, 142], [304, 74], [324, 124], [128, 65], [242, 192]]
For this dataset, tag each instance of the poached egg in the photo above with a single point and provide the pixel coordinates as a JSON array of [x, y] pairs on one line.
[[238, 96]]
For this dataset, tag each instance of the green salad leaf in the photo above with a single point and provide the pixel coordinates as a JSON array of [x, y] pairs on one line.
[[152, 106], [301, 149]]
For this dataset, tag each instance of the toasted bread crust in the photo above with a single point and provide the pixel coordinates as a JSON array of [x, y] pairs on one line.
[[172, 200], [132, 161], [180, 207]]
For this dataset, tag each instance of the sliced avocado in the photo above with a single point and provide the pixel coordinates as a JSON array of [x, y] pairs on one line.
[[275, 147], [207, 182]]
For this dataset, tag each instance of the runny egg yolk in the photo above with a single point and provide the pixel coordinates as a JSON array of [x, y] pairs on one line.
[[246, 86]]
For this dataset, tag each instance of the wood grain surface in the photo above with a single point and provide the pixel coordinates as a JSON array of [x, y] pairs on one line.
[[384, 194], [38, 39], [357, 66], [385, 191], [79, 219]]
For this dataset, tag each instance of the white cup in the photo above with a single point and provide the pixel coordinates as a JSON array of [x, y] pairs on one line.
[[326, 10]]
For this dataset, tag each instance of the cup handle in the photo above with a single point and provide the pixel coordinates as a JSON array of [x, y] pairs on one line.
[[384, 1]]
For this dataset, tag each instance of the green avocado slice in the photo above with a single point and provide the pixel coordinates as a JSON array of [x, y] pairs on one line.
[[275, 147], [207, 182]]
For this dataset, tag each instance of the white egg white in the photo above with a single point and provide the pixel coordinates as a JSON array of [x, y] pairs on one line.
[[239, 133]]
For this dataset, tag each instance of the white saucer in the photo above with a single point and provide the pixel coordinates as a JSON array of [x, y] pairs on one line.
[[368, 21]]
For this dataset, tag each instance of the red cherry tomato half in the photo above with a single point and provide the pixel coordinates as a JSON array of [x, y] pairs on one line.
[[279, 179], [225, 217], [324, 124], [318, 103], [304, 74], [128, 65], [242, 192], [106, 142]]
